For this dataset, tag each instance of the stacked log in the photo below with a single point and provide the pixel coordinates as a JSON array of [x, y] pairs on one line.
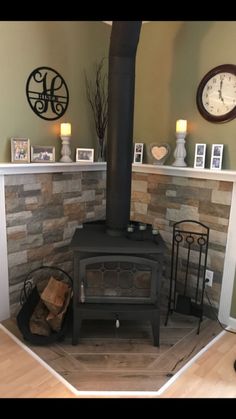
[[51, 309]]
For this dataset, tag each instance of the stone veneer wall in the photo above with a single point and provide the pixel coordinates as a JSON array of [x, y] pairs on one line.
[[42, 213], [163, 200]]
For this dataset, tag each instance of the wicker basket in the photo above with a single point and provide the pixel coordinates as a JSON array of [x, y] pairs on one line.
[[30, 298]]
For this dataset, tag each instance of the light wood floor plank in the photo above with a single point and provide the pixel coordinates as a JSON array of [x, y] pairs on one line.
[[212, 375], [22, 376]]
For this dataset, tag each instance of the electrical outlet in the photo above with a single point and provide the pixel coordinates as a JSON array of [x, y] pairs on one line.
[[209, 277]]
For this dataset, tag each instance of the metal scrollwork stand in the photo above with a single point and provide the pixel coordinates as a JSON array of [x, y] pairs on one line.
[[188, 267]]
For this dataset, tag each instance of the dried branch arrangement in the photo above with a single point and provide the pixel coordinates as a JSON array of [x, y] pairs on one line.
[[97, 94]]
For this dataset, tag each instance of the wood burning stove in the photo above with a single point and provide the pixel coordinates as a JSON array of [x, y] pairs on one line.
[[121, 257], [116, 277]]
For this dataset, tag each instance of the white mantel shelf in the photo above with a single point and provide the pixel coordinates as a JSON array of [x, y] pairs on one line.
[[15, 169], [28, 168], [224, 175]]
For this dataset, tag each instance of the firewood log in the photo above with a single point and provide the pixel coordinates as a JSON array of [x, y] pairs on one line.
[[54, 295], [38, 323], [55, 320]]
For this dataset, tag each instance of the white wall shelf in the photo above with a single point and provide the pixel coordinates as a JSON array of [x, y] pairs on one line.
[[14, 169], [223, 175], [28, 168]]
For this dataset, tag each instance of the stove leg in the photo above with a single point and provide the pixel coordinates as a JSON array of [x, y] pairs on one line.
[[76, 331], [156, 328]]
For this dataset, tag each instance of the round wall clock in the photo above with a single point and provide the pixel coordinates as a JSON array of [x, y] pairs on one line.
[[216, 94]]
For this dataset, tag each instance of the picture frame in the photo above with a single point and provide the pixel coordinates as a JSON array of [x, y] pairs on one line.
[[200, 155], [42, 154], [20, 150], [85, 155], [216, 156], [138, 153], [158, 152]]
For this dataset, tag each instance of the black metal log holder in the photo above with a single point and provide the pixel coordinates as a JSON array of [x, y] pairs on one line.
[[183, 298], [30, 297]]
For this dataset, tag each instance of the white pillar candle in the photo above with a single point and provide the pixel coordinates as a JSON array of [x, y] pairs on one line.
[[66, 130], [181, 126]]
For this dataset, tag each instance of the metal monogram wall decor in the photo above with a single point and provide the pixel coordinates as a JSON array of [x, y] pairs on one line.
[[47, 93]]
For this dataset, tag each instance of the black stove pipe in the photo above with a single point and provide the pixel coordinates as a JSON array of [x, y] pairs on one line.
[[121, 85]]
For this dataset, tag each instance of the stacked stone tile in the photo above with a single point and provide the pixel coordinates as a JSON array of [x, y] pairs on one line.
[[163, 200], [42, 213]]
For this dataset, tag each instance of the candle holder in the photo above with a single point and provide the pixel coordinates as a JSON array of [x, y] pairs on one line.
[[180, 152], [65, 138]]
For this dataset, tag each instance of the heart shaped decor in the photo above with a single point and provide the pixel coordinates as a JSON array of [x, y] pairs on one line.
[[159, 152]]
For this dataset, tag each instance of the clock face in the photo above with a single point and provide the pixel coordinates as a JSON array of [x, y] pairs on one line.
[[216, 95]]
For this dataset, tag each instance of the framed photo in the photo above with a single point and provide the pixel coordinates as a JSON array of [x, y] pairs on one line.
[[138, 153], [20, 150], [42, 154], [200, 154], [216, 156], [85, 154]]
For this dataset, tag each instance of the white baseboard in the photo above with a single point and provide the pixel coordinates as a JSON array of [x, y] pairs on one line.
[[232, 323]]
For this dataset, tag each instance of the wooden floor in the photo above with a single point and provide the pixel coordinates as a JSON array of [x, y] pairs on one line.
[[22, 376], [211, 375], [124, 359]]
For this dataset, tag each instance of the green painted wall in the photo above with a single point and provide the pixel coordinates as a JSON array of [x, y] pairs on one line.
[[69, 48], [172, 58]]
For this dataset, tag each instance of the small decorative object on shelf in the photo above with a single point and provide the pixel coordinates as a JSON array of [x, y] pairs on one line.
[[65, 138], [200, 153], [138, 153], [180, 152], [97, 95], [158, 153], [20, 150], [216, 156], [85, 154], [42, 154]]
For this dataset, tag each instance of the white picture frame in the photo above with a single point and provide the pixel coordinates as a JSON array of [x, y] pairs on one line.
[[138, 153], [200, 156], [85, 155], [216, 156]]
